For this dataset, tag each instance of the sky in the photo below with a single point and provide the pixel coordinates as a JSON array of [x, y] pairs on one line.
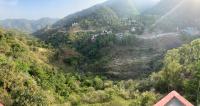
[[35, 9]]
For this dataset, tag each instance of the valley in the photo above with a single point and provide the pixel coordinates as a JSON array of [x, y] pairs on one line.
[[116, 53]]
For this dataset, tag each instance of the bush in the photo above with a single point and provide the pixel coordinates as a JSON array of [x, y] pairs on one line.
[[71, 60], [26, 97], [96, 97], [74, 99], [98, 83], [145, 99]]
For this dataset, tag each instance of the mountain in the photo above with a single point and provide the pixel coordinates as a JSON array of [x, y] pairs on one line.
[[179, 15], [105, 16], [123, 8], [105, 23], [109, 42], [92, 16], [27, 25], [116, 8], [102, 13], [162, 7], [144, 5]]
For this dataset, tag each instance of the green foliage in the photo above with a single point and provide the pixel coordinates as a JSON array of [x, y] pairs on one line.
[[98, 83], [144, 99], [28, 78], [180, 71], [91, 49], [96, 97], [73, 60]]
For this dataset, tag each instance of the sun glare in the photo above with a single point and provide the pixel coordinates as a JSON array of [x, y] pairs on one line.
[[197, 1]]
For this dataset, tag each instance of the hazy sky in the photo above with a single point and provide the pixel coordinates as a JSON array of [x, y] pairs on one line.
[[35, 9]]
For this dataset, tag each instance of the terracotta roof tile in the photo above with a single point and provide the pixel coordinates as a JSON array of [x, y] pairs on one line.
[[170, 96]]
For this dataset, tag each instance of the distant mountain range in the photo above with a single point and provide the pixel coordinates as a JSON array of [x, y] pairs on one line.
[[101, 15], [27, 25], [170, 16]]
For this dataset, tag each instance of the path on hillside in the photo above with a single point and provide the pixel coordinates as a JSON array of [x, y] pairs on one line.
[[154, 36]]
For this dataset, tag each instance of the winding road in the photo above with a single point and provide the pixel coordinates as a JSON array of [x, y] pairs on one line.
[[154, 36]]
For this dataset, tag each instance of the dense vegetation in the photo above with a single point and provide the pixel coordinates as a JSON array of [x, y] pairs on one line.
[[181, 71], [29, 78]]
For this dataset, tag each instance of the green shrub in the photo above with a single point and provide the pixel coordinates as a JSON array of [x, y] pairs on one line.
[[144, 99], [96, 97], [98, 83]]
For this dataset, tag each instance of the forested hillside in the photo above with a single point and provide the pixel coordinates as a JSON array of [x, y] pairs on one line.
[[113, 45], [113, 15], [27, 70], [180, 71], [29, 77]]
